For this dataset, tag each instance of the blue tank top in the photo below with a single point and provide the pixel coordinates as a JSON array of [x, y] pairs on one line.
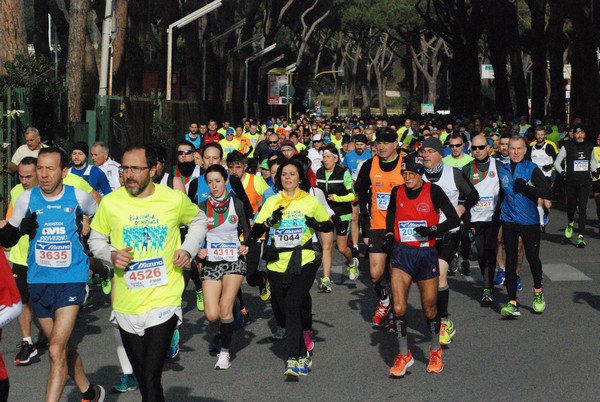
[[56, 253], [517, 208]]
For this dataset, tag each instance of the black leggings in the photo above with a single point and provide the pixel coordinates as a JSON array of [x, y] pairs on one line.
[[485, 236], [577, 196], [531, 244], [294, 304], [147, 356]]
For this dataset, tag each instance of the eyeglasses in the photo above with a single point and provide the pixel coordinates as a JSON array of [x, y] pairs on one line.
[[134, 169], [456, 145], [478, 147], [273, 142], [186, 152]]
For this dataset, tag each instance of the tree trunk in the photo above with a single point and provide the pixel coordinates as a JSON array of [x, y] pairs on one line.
[[194, 54], [517, 76], [75, 61], [134, 54], [556, 47], [118, 45], [92, 80], [538, 58], [40, 29], [12, 31], [59, 18]]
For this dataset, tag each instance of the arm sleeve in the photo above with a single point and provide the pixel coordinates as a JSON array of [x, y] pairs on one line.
[[562, 154], [441, 202], [243, 219], [20, 209], [540, 187], [103, 183], [348, 184], [240, 193], [196, 233], [322, 199], [100, 246], [362, 185], [466, 188], [390, 217], [192, 190], [86, 202]]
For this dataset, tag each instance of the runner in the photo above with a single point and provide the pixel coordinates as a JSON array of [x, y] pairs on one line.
[[412, 223], [56, 279], [224, 265], [596, 178], [336, 182], [143, 243], [520, 219], [295, 215]]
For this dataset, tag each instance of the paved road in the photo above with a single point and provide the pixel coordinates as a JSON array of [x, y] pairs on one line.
[[547, 357]]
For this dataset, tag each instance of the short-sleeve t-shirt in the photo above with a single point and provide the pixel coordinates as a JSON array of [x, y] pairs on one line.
[[151, 226], [293, 220]]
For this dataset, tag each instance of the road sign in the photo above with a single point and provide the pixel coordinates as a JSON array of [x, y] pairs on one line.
[[276, 82], [287, 90], [487, 72]]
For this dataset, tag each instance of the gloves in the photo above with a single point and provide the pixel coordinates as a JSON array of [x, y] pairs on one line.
[[520, 185], [595, 174], [547, 168], [424, 231], [276, 217], [312, 222], [29, 226], [388, 245], [336, 220]]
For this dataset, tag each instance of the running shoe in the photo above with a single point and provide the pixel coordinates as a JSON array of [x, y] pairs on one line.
[[308, 340], [307, 360], [539, 302], [106, 286], [447, 331], [216, 344], [126, 383], [510, 310], [454, 264], [99, 394], [401, 363], [486, 298], [519, 287], [199, 300], [25, 354], [302, 366], [580, 242], [265, 290], [325, 285], [381, 314], [465, 268], [435, 364], [279, 334], [569, 230], [291, 367], [174, 346], [353, 269], [42, 341], [246, 315], [543, 228], [500, 277], [223, 361]]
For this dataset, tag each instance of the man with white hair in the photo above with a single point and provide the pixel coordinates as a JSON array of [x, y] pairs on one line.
[[103, 161]]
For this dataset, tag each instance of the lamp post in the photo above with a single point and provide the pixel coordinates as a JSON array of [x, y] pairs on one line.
[[249, 59], [180, 23]]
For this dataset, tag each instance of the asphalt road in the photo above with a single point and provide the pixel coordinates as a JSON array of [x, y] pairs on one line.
[[536, 357]]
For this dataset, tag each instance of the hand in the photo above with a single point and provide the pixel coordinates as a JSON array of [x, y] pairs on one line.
[[120, 259], [423, 231], [276, 217], [242, 249], [29, 226], [331, 197], [547, 168], [85, 225], [202, 253], [182, 259], [520, 185], [311, 222], [388, 245]]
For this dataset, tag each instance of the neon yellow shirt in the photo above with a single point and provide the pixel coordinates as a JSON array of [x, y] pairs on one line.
[[230, 146], [460, 162], [151, 226], [293, 217], [254, 140]]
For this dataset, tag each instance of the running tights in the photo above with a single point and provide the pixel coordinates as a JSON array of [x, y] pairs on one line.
[[147, 355], [486, 239], [531, 244], [577, 198]]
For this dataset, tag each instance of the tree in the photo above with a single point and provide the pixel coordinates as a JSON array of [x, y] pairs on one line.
[[538, 58], [12, 31], [556, 48], [76, 57]]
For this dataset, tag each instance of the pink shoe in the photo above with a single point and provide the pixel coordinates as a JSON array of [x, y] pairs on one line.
[[308, 341]]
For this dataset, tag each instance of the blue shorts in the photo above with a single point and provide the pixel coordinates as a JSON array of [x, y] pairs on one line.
[[421, 263], [46, 298]]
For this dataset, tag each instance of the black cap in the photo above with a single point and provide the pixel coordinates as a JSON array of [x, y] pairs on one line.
[[413, 163], [81, 146], [361, 138]]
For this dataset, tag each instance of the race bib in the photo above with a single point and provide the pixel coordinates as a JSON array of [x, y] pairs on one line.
[[581, 166], [383, 200], [288, 237], [145, 274], [407, 231], [485, 203], [222, 251], [53, 254]]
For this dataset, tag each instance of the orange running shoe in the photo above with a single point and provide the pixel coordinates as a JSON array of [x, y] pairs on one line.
[[435, 361], [401, 363], [381, 314]]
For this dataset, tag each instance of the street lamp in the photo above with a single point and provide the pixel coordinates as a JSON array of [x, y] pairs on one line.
[[180, 23], [229, 30], [254, 57]]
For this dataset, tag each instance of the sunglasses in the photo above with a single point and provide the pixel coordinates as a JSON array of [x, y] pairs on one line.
[[186, 152], [456, 145], [273, 142], [478, 147]]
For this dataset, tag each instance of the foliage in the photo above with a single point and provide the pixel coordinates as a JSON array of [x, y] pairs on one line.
[[28, 72]]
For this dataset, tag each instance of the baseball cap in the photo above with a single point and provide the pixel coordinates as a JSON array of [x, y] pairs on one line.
[[413, 163], [317, 137]]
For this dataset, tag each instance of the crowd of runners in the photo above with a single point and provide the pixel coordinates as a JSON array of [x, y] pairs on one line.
[[266, 202]]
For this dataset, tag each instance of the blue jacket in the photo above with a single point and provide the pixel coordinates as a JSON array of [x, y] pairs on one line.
[[517, 207]]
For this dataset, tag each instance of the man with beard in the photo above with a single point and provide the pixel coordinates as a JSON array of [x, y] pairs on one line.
[[90, 173], [143, 243], [579, 163], [186, 168], [193, 136]]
